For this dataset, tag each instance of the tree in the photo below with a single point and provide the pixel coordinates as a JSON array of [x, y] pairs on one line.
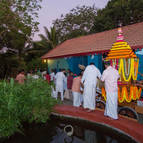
[[124, 11], [77, 22], [17, 24], [50, 40], [33, 55], [19, 15]]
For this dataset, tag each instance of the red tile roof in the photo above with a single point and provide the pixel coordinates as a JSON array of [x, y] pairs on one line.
[[98, 43]]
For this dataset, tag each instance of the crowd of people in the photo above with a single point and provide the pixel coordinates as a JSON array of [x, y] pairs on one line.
[[81, 89]]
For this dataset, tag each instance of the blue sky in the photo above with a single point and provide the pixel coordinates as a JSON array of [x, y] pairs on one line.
[[52, 9]]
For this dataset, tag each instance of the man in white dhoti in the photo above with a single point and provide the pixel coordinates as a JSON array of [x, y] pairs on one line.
[[111, 76], [89, 80], [60, 80]]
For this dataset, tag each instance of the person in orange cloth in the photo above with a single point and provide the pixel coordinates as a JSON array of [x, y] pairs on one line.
[[110, 76], [20, 78]]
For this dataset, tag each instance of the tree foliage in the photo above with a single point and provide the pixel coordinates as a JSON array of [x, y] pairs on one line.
[[17, 24], [51, 38], [29, 102], [33, 55], [18, 15], [77, 22], [124, 11]]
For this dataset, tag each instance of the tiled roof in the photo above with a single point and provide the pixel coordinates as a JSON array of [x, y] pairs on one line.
[[98, 43]]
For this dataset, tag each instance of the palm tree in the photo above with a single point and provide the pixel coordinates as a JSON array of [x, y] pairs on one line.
[[50, 38]]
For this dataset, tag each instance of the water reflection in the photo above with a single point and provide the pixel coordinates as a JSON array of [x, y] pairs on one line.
[[81, 136], [53, 132], [62, 137], [95, 137]]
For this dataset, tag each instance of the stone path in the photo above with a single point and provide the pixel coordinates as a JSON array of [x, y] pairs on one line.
[[124, 124]]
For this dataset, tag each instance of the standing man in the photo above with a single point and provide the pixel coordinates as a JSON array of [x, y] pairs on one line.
[[110, 76], [89, 80], [60, 80], [76, 90]]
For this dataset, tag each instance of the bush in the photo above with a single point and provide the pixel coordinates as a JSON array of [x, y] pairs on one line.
[[30, 102]]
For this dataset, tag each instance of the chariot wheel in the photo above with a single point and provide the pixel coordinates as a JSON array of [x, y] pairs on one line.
[[129, 112]]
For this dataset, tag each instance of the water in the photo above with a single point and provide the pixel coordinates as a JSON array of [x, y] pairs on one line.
[[53, 132]]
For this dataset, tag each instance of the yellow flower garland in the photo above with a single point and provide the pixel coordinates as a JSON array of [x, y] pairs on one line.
[[135, 70], [122, 71], [134, 67]]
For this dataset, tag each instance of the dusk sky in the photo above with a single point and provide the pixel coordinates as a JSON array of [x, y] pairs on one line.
[[52, 9]]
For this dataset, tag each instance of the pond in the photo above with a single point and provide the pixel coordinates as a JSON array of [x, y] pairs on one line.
[[54, 131]]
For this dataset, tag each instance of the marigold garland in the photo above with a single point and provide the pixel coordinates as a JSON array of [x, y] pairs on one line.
[[134, 94], [127, 96], [120, 96], [103, 93], [139, 93]]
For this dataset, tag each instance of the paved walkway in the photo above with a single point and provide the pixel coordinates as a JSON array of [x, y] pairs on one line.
[[129, 126]]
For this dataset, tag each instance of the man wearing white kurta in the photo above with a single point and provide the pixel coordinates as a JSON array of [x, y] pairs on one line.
[[60, 79], [89, 80], [111, 76]]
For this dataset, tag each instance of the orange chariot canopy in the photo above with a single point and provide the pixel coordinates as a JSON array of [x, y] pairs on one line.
[[120, 49]]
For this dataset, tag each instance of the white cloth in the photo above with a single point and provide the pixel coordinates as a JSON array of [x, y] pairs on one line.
[[65, 83], [53, 93], [60, 79], [110, 76], [35, 76], [76, 99], [90, 75], [89, 96], [43, 75], [61, 94], [111, 105], [81, 98], [52, 75], [89, 79]]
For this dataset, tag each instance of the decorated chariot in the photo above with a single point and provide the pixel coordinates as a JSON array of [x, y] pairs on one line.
[[122, 57]]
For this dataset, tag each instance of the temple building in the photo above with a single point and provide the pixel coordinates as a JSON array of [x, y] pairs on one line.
[[92, 48]]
